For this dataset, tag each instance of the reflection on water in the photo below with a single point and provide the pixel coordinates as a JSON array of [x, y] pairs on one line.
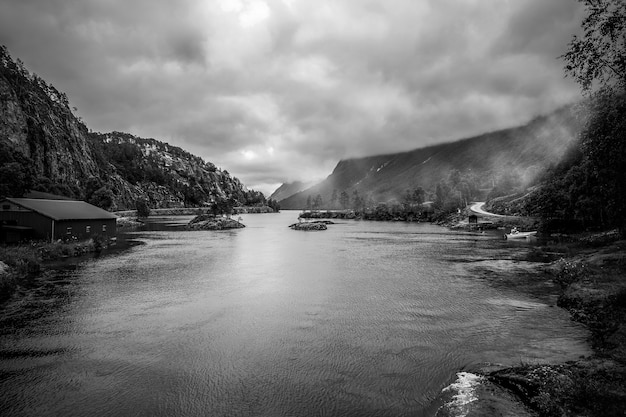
[[363, 319]]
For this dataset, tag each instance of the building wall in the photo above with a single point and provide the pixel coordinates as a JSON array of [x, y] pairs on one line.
[[42, 226], [16, 215], [83, 229]]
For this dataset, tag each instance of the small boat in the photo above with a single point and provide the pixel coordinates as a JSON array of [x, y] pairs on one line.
[[516, 234]]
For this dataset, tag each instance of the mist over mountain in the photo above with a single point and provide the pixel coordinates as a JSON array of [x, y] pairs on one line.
[[496, 162], [45, 147], [290, 188]]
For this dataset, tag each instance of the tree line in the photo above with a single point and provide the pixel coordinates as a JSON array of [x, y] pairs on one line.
[[587, 190]]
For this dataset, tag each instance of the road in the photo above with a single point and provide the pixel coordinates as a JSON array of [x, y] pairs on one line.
[[478, 209]]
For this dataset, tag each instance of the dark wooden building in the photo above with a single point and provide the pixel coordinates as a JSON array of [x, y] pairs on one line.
[[29, 218]]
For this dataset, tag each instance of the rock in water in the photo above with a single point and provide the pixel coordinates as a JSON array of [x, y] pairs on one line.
[[309, 226], [209, 222]]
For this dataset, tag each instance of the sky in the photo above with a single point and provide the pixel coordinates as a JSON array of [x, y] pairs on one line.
[[280, 90]]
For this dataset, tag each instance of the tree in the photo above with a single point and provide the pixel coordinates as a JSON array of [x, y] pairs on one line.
[[13, 180], [600, 54], [358, 204], [309, 203], [318, 202], [273, 204], [604, 147], [16, 172], [143, 207], [333, 198], [105, 199], [442, 194], [600, 57], [344, 199]]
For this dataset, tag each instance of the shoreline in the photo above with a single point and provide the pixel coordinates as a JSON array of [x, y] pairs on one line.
[[23, 262], [590, 271], [593, 291]]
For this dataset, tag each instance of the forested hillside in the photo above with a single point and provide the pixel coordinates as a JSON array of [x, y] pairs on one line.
[[587, 189], [452, 173], [45, 147]]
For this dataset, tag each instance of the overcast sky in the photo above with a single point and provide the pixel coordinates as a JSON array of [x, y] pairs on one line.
[[281, 90]]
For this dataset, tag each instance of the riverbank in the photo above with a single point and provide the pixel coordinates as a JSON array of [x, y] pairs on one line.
[[19, 262], [592, 278]]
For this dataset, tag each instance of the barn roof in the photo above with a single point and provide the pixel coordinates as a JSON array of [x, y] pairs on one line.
[[64, 209]]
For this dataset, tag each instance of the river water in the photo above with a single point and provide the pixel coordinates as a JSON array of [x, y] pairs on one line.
[[364, 319]]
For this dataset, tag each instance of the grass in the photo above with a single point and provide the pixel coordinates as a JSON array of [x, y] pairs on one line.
[[25, 260]]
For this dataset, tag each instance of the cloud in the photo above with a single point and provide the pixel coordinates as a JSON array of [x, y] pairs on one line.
[[312, 81]]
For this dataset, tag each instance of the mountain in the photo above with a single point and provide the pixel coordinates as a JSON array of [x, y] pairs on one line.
[[290, 188], [45, 147], [504, 159]]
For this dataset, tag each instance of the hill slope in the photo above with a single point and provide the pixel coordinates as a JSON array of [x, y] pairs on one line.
[[288, 189], [506, 158], [44, 147]]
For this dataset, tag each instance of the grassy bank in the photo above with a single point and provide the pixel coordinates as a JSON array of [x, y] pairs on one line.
[[592, 278], [19, 262]]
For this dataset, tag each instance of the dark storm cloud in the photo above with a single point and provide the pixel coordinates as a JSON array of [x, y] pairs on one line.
[[280, 90]]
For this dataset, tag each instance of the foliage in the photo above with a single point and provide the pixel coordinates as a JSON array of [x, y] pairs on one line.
[[103, 197], [143, 208], [568, 272], [273, 204], [223, 206], [604, 146], [600, 55], [318, 202], [344, 199], [16, 172], [588, 188], [22, 258], [333, 198], [164, 172]]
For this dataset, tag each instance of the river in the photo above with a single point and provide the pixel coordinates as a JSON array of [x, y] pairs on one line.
[[364, 319]]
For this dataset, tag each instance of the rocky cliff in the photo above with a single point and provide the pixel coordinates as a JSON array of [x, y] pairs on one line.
[[45, 147]]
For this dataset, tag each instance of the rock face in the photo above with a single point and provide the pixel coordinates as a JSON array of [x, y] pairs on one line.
[[307, 227], [36, 121], [210, 222], [51, 150]]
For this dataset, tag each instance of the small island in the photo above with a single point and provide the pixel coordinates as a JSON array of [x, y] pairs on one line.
[[310, 226], [210, 222]]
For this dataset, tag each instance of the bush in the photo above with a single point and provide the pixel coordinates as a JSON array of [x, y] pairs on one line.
[[569, 272], [143, 208]]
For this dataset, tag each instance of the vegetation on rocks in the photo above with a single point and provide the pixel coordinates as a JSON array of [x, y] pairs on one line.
[[18, 262], [45, 147], [309, 226], [211, 222]]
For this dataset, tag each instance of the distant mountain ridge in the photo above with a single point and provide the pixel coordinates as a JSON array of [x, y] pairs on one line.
[[45, 147], [513, 155], [290, 188]]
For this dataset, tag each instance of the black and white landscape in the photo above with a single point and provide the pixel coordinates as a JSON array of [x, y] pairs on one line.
[[295, 208]]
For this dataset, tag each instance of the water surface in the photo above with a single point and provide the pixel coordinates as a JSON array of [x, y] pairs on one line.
[[364, 319]]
